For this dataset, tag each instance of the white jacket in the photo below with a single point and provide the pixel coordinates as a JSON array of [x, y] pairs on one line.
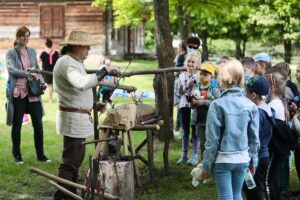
[[74, 90]]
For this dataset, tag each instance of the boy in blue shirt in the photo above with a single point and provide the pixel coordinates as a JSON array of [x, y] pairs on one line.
[[257, 88]]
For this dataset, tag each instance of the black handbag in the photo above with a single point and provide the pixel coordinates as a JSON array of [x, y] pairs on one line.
[[34, 85]]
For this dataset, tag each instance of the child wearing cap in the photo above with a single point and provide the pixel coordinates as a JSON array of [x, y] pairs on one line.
[[231, 133], [263, 62], [257, 88], [208, 94]]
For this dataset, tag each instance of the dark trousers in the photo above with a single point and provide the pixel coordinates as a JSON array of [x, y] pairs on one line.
[[72, 157], [260, 178], [22, 106], [297, 160], [274, 175]]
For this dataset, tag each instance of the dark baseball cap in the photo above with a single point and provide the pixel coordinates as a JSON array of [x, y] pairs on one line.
[[258, 84]]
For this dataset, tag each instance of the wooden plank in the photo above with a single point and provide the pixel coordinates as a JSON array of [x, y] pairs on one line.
[[140, 146], [136, 169]]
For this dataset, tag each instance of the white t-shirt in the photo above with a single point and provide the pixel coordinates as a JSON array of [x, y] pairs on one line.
[[278, 106]]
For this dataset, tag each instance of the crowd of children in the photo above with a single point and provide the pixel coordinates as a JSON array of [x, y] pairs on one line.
[[243, 116]]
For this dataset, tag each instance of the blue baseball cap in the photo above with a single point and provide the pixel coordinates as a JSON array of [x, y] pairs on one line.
[[258, 84], [262, 57]]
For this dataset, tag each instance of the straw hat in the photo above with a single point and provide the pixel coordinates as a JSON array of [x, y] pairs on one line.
[[79, 37]]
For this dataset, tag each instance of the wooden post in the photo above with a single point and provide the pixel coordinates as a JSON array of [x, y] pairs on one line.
[[96, 131], [150, 155]]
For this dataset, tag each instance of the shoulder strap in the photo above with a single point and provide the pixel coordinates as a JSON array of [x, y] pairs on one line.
[[19, 57]]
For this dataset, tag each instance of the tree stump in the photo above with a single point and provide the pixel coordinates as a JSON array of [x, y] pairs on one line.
[[118, 178]]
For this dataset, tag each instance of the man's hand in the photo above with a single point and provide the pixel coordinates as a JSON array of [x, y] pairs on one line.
[[100, 107], [33, 75]]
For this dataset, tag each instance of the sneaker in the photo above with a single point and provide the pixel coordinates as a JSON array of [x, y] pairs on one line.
[[193, 160], [19, 160], [44, 159], [182, 160]]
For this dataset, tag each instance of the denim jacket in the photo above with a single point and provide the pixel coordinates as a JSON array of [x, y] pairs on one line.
[[232, 126]]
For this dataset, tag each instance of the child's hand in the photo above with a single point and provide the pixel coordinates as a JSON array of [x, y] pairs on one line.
[[205, 175], [180, 87], [198, 102], [297, 114], [191, 83], [252, 170], [293, 106]]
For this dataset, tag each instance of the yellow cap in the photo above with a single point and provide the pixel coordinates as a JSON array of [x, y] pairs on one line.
[[208, 67]]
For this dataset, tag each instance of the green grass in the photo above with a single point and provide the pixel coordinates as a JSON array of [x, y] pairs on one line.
[[16, 182]]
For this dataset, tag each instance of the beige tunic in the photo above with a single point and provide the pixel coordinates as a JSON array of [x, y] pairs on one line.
[[74, 90]]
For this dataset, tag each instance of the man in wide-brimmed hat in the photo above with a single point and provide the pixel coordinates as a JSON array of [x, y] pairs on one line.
[[75, 100]]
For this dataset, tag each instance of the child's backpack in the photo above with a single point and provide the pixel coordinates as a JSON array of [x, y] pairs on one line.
[[283, 139]]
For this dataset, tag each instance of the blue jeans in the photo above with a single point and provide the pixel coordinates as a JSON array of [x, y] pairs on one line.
[[229, 180]]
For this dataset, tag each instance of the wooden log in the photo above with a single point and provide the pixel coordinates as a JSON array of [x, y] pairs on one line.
[[146, 127], [66, 182], [111, 85], [100, 140], [151, 121], [64, 190], [136, 128], [144, 72], [119, 86]]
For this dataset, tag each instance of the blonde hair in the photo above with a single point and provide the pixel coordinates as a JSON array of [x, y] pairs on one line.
[[194, 54], [232, 74]]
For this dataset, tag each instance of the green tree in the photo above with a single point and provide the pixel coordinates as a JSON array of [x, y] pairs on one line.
[[278, 21]]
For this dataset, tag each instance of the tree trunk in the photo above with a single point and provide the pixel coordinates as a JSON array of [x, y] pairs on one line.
[[244, 48], [108, 27], [183, 21], [287, 50], [238, 50], [205, 53], [163, 84]]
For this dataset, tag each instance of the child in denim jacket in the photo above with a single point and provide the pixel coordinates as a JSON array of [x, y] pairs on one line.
[[231, 133]]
